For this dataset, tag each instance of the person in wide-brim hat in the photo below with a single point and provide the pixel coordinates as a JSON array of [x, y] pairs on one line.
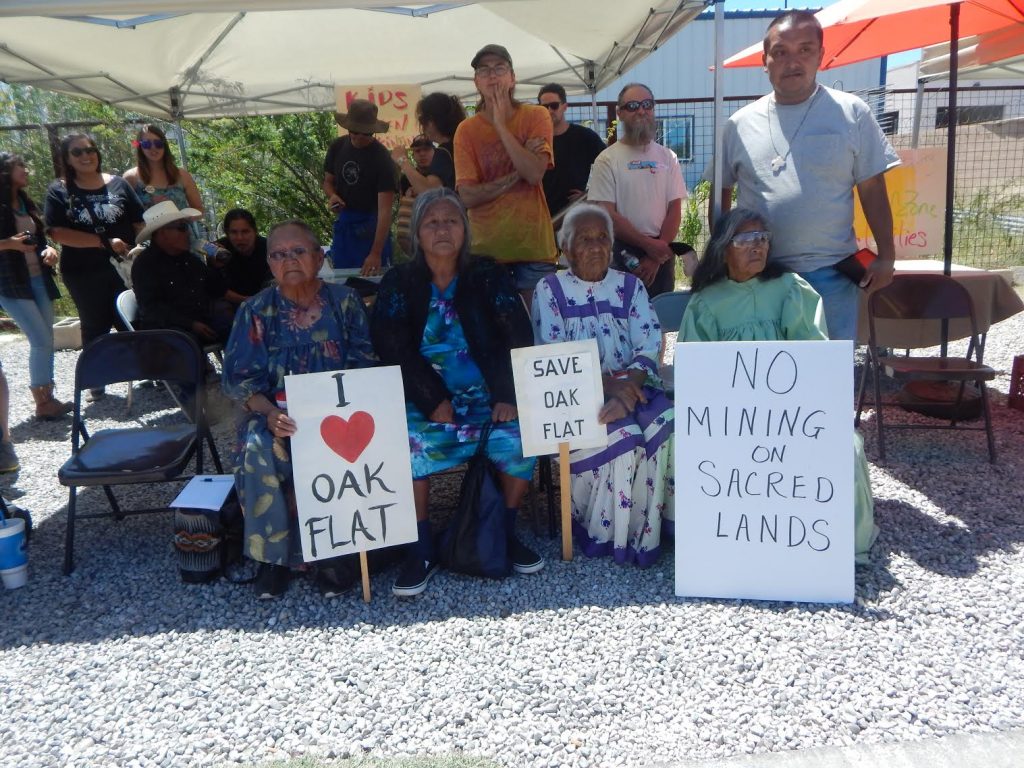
[[361, 118], [162, 214]]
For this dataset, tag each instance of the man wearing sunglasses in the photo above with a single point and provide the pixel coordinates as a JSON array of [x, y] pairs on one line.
[[575, 146], [360, 184], [640, 184], [175, 290], [796, 156]]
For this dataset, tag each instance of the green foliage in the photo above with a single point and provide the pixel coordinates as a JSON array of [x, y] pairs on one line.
[[693, 228], [271, 165]]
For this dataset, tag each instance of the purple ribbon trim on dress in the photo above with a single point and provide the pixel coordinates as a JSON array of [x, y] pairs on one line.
[[621, 555], [590, 309]]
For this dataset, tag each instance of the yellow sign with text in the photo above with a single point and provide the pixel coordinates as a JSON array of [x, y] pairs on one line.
[[396, 105], [917, 196]]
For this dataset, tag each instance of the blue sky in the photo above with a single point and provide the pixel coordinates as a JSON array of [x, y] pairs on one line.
[[897, 60]]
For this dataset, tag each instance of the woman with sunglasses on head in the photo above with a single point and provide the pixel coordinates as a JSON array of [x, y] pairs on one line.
[[740, 295], [27, 289], [94, 216]]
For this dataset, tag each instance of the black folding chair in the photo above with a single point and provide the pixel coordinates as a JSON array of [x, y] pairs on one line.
[[133, 455], [930, 298]]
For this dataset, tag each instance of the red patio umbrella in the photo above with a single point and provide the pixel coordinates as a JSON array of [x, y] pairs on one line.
[[856, 30]]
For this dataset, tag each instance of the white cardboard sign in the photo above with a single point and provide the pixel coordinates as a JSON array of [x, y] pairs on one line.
[[559, 394], [764, 470], [350, 461]]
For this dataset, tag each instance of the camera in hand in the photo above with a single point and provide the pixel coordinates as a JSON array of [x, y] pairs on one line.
[[29, 238]]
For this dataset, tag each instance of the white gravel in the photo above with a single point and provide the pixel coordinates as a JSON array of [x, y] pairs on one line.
[[584, 664]]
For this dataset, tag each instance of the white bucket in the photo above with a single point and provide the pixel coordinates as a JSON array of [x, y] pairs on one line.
[[15, 577]]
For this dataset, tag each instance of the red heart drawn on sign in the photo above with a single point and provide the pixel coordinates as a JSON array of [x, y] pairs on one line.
[[348, 438]]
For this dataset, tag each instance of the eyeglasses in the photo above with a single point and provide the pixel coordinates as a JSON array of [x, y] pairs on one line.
[[750, 239], [176, 226], [553, 105], [79, 151], [498, 70], [291, 253], [634, 106], [149, 143]]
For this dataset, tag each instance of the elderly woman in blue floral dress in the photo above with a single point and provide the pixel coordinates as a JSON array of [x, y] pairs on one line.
[[450, 320], [298, 325], [621, 493]]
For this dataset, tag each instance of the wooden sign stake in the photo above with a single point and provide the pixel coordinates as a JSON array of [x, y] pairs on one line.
[[566, 493], [365, 570]]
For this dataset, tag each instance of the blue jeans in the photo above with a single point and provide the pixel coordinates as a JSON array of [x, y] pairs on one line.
[[35, 318], [353, 238], [840, 297]]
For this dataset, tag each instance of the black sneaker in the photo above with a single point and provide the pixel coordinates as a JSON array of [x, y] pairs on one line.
[[8, 458], [92, 395], [524, 559], [271, 581], [413, 579], [335, 579]]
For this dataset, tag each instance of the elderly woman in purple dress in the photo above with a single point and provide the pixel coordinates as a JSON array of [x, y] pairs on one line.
[[620, 493]]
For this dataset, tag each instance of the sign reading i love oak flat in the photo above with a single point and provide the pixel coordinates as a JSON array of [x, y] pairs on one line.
[[350, 461]]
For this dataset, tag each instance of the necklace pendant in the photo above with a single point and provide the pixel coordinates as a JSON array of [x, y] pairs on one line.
[[778, 164]]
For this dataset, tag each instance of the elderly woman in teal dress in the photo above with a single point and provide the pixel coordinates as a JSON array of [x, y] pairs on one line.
[[297, 325], [739, 295], [450, 320]]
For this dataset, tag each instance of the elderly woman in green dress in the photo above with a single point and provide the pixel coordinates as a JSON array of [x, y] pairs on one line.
[[739, 295]]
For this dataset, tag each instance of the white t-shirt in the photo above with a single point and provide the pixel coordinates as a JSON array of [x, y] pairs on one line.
[[808, 198], [640, 181]]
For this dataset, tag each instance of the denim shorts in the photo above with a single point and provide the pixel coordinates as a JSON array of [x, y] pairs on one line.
[[526, 274]]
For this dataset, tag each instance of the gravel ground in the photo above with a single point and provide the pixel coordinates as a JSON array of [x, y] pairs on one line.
[[584, 664]]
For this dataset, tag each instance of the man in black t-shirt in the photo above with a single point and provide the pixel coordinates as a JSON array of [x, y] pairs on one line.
[[575, 146], [360, 184]]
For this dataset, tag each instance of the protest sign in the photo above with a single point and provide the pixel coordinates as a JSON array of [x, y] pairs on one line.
[[350, 461], [559, 395], [558, 389], [396, 105], [764, 470], [916, 189]]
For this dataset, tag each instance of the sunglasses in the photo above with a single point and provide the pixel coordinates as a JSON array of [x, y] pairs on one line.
[[79, 151], [176, 226], [359, 133], [750, 239], [553, 105], [294, 253], [634, 106], [149, 144]]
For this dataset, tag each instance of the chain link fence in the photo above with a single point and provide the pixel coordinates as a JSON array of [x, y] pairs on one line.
[[989, 178]]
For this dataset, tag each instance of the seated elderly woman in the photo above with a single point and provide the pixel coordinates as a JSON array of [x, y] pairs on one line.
[[175, 289], [450, 320], [297, 325], [739, 295], [620, 493]]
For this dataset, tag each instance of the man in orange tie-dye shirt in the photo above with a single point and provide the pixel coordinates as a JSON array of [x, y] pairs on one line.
[[501, 155]]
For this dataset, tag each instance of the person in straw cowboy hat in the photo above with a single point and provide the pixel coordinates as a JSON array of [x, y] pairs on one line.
[[175, 290], [360, 184]]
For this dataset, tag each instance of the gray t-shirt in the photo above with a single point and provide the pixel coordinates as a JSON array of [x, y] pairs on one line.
[[808, 198]]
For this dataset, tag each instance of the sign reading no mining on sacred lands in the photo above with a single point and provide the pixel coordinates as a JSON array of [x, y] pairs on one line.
[[559, 394], [764, 470], [396, 106], [350, 461]]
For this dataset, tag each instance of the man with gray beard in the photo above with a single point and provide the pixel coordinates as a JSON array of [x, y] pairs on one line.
[[641, 185]]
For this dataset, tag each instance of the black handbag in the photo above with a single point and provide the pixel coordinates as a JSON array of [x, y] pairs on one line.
[[476, 540]]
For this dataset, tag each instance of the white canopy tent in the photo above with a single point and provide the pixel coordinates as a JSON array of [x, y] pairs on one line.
[[193, 59], [995, 55]]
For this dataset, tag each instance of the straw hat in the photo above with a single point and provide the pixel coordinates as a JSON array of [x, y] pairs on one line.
[[162, 214]]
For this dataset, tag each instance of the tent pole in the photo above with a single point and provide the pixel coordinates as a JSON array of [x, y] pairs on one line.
[[719, 116], [593, 107], [951, 121], [918, 104], [181, 144]]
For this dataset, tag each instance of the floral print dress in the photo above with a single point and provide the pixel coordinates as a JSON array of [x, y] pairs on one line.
[[621, 493], [435, 446], [271, 338]]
